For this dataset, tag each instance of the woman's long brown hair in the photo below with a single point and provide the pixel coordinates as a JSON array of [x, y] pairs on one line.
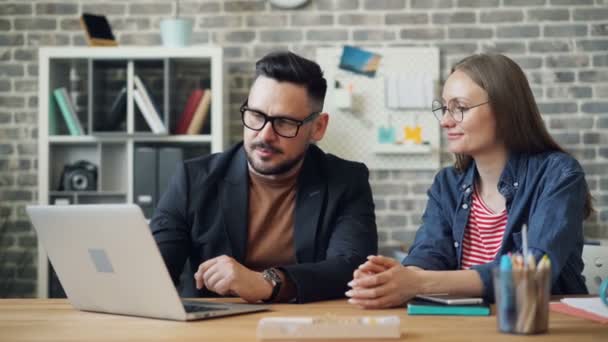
[[518, 121]]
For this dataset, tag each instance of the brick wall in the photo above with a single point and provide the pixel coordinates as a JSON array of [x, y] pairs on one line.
[[561, 44]]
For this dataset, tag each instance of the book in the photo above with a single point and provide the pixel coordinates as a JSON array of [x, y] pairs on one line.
[[420, 307], [117, 114], [198, 120], [66, 106], [145, 101], [188, 112], [147, 113], [53, 118]]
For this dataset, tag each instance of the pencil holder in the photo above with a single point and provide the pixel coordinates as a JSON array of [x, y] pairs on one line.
[[176, 32], [522, 300]]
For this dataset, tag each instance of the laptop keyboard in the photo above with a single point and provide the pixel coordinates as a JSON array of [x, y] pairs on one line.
[[202, 308]]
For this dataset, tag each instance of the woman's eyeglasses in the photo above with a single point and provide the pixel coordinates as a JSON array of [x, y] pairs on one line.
[[456, 110]]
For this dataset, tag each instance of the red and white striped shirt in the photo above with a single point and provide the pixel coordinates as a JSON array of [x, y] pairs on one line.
[[483, 233]]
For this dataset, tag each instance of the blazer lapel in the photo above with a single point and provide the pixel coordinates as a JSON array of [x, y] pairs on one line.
[[234, 204], [309, 202]]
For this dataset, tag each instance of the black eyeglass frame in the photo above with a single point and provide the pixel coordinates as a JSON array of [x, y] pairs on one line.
[[438, 106], [272, 119]]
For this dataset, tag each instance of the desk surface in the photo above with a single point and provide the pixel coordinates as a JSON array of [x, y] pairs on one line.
[[55, 319]]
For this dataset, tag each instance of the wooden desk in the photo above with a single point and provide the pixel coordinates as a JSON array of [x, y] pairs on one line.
[[47, 320]]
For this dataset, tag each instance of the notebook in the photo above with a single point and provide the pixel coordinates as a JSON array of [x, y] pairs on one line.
[[588, 308], [421, 307]]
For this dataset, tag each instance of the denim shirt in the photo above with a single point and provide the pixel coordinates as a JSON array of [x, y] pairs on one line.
[[547, 191]]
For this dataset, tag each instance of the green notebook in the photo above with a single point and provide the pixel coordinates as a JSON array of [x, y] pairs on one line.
[[420, 307]]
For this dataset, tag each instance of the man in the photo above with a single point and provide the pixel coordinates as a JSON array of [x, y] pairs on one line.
[[274, 218]]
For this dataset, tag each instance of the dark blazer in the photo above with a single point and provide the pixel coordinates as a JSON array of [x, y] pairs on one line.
[[204, 214]]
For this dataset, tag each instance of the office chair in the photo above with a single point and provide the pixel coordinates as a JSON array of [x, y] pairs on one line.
[[596, 266]]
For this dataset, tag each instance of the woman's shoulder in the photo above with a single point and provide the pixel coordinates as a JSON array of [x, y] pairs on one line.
[[554, 161]]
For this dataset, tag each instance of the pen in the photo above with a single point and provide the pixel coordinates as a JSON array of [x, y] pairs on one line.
[[507, 307], [543, 280], [524, 239]]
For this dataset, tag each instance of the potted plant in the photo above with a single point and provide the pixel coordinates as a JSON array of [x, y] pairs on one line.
[[176, 31]]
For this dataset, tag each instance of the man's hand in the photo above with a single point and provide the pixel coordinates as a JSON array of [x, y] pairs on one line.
[[225, 276], [383, 282]]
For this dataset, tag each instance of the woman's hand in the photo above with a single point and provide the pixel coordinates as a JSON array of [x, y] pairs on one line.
[[375, 264], [383, 282]]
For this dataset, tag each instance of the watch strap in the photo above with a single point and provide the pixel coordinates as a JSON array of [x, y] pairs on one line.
[[272, 276]]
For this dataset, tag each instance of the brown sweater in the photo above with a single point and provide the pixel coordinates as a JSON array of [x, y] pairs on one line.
[[271, 224]]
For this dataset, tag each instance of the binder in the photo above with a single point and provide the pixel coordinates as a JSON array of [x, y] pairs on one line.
[[168, 158], [144, 179]]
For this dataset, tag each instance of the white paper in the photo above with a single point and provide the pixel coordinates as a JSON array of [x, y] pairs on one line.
[[593, 305]]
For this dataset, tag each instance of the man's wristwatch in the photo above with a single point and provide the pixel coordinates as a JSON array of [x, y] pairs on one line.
[[272, 276]]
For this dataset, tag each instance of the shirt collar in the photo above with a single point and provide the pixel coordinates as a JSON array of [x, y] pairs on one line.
[[509, 180]]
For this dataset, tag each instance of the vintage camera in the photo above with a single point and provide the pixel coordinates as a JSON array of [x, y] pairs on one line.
[[79, 176]]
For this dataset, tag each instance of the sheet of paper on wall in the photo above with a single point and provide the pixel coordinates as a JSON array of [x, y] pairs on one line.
[[391, 84], [408, 90], [359, 61]]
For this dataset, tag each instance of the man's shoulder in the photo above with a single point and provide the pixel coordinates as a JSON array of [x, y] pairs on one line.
[[211, 163], [334, 165]]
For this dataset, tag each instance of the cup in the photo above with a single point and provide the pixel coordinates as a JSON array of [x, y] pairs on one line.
[[522, 301], [176, 32], [386, 135]]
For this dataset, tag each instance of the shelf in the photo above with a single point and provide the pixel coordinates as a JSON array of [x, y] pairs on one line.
[[402, 149], [87, 193], [133, 52], [93, 139], [101, 84]]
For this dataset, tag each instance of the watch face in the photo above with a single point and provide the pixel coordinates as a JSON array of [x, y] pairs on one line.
[[288, 3], [271, 275]]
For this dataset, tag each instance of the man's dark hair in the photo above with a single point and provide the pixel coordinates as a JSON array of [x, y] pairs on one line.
[[286, 66]]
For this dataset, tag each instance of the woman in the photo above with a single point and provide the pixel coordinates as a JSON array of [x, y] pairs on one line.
[[508, 172]]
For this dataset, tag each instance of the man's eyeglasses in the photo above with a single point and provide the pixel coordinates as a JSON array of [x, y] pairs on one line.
[[283, 126], [456, 111]]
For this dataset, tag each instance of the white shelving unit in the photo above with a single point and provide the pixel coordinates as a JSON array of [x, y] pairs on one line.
[[175, 73]]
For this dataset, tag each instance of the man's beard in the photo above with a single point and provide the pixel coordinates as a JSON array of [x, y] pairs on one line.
[[276, 170]]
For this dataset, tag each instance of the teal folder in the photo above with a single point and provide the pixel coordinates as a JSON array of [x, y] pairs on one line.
[[419, 307]]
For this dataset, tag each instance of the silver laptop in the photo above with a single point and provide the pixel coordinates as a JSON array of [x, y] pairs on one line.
[[107, 261]]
